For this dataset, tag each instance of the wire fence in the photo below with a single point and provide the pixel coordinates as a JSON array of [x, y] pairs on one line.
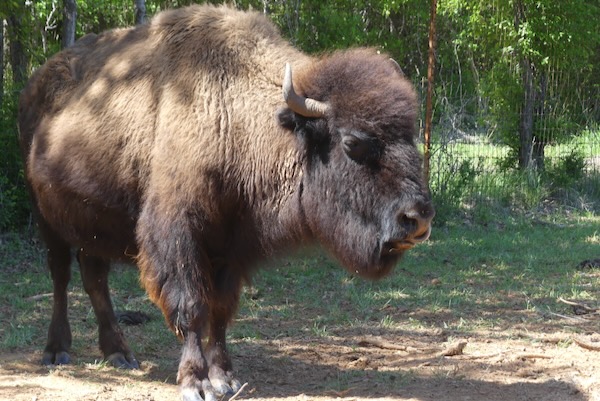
[[471, 163], [475, 144]]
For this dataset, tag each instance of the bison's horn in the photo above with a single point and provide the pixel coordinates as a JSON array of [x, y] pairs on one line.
[[397, 66], [306, 107]]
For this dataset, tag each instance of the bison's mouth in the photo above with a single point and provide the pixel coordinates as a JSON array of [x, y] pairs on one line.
[[385, 255], [388, 255], [399, 246]]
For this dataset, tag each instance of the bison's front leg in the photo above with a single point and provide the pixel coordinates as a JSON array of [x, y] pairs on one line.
[[208, 374], [178, 295], [206, 371], [226, 287], [193, 370], [178, 277]]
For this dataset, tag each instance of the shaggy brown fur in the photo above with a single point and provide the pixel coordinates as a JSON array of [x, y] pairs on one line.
[[169, 145]]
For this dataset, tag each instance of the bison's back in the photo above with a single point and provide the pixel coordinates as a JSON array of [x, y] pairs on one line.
[[152, 109]]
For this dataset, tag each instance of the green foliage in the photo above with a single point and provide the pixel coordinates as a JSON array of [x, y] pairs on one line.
[[479, 80], [566, 171], [14, 204], [469, 178], [450, 186], [556, 38], [11, 204], [504, 91]]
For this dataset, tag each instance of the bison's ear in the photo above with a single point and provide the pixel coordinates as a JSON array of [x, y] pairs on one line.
[[287, 119], [310, 129]]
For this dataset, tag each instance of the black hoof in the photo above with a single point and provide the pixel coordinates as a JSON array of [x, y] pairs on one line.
[[59, 358], [120, 361]]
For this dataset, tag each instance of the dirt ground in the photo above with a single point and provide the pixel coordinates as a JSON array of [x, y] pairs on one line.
[[519, 363]]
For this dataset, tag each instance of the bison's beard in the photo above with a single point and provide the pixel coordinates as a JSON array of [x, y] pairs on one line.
[[358, 246], [367, 258]]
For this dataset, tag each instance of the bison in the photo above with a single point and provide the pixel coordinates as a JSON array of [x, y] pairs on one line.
[[170, 146]]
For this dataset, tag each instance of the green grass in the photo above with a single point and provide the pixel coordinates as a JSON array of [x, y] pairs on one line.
[[468, 277], [25, 305]]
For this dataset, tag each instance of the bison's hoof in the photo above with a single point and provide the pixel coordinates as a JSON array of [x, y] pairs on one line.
[[190, 394], [59, 358], [193, 394], [225, 388], [121, 361], [212, 390], [223, 382], [233, 387]]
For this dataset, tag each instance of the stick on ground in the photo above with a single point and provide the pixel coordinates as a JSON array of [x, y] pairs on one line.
[[375, 342], [233, 397], [586, 345]]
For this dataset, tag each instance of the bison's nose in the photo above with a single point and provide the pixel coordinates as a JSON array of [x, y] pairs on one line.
[[417, 222]]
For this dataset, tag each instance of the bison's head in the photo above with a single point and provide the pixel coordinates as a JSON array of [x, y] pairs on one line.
[[363, 194]]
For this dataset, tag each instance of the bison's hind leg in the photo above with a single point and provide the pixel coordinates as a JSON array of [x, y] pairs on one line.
[[94, 275], [59, 263]]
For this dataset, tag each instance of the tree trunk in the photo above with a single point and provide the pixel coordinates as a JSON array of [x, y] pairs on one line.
[[140, 12], [429, 101], [526, 161], [266, 8], [1, 62], [69, 23], [18, 58], [540, 138], [526, 139]]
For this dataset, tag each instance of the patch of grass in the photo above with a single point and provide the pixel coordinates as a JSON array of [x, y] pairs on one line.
[[468, 277], [26, 305], [16, 335]]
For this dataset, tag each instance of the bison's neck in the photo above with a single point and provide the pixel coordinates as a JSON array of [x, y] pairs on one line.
[[266, 178]]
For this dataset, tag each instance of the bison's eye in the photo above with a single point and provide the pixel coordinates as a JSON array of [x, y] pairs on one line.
[[360, 148]]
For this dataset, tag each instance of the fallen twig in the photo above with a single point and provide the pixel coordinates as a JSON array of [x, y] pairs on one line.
[[40, 296], [233, 397], [533, 356], [578, 308], [503, 353], [576, 318], [366, 342], [339, 394], [482, 356], [586, 345]]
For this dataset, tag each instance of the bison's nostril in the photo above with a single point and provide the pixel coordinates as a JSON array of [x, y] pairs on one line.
[[408, 223], [416, 222]]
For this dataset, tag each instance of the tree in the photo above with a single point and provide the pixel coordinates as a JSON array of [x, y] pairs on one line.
[[140, 12], [515, 46], [69, 23], [1, 62], [530, 151], [18, 57]]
